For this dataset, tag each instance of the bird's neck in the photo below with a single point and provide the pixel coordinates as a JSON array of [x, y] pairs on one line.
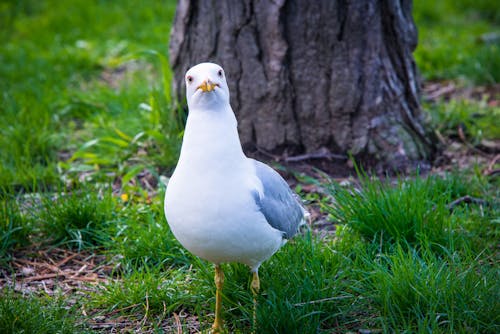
[[211, 135]]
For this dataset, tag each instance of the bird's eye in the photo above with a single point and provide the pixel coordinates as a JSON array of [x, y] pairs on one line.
[[189, 79], [220, 73]]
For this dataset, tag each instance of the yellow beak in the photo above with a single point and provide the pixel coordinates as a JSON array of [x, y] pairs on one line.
[[207, 86]]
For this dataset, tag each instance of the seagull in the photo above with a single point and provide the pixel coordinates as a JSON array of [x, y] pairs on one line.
[[222, 206]]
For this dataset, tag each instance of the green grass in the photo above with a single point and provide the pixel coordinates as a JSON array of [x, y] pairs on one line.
[[308, 289], [424, 292], [25, 314], [14, 228], [421, 274], [139, 236], [79, 219], [74, 74], [150, 290], [458, 40], [440, 278], [476, 119], [411, 211], [89, 128]]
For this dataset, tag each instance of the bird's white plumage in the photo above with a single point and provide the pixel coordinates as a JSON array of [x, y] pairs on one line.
[[210, 202]]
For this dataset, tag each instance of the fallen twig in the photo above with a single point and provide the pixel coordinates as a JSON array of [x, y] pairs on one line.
[[146, 312], [178, 325], [42, 277], [90, 279], [490, 171], [268, 154], [320, 154], [65, 260], [40, 264], [465, 199], [315, 155], [461, 135], [116, 311], [494, 172], [441, 91]]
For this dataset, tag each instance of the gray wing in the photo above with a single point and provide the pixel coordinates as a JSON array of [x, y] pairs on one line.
[[279, 204]]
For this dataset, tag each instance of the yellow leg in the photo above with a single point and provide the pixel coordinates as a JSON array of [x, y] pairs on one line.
[[219, 281], [255, 287]]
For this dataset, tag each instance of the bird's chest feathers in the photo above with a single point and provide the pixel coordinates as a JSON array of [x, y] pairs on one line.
[[213, 174], [214, 181]]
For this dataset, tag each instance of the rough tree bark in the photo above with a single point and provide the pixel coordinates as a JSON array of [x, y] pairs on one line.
[[309, 75]]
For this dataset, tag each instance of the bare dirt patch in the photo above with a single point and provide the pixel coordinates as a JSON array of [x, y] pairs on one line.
[[54, 271]]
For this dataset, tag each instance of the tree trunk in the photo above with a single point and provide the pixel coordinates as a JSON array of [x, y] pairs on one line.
[[309, 75]]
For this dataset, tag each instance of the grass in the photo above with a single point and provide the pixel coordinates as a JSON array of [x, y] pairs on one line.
[[458, 40], [13, 228], [79, 219], [476, 119], [421, 264], [442, 278], [66, 82], [423, 292], [90, 128], [43, 315], [410, 211], [150, 290], [140, 237]]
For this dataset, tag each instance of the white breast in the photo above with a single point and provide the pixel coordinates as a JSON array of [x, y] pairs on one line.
[[209, 201]]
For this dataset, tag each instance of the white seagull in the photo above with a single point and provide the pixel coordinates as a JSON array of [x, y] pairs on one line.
[[221, 205]]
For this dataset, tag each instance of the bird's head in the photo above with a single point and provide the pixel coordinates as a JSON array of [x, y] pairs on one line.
[[206, 86]]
